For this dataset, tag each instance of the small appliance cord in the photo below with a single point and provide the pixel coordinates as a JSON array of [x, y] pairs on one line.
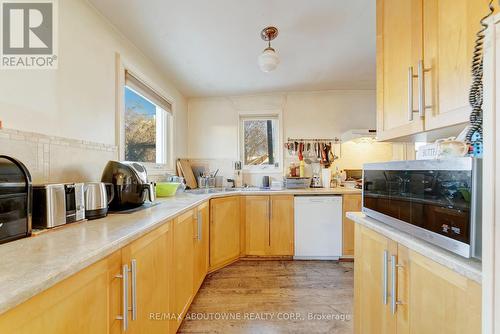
[[476, 90]]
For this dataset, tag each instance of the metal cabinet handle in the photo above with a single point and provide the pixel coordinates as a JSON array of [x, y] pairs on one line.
[[393, 284], [133, 265], [200, 225], [394, 277], [411, 76], [195, 217], [410, 93], [385, 261], [421, 89], [124, 277], [270, 220]]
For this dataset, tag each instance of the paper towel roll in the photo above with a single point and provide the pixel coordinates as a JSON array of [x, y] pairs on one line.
[[326, 177]]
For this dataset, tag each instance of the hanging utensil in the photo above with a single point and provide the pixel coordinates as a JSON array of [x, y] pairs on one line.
[[301, 147]]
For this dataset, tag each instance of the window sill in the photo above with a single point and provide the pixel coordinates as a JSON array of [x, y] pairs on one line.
[[158, 169], [262, 170]]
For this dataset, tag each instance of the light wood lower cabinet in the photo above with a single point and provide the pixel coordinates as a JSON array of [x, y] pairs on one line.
[[435, 299], [281, 226], [428, 297], [79, 304], [96, 299], [371, 309], [224, 231], [201, 245], [269, 225], [149, 292], [350, 203], [257, 212], [183, 258]]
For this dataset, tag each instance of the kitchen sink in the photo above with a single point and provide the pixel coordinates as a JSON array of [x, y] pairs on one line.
[[211, 190]]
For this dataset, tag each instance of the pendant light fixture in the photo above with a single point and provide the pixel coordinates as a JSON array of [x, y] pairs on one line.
[[268, 59]]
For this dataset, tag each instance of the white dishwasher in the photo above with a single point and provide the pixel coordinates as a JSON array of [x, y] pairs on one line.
[[318, 227]]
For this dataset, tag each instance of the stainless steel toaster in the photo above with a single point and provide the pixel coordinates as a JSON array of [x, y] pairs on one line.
[[57, 204], [49, 205]]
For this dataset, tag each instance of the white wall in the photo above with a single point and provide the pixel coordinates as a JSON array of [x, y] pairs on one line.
[[78, 99], [213, 122], [213, 125]]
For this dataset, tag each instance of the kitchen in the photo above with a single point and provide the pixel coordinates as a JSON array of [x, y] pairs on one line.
[[145, 187]]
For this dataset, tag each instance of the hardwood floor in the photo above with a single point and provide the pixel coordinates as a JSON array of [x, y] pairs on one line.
[[274, 297]]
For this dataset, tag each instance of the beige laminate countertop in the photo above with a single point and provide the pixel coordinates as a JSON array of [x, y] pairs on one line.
[[31, 265], [470, 268]]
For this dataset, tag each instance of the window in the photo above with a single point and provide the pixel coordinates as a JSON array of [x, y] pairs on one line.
[[146, 123], [259, 142]]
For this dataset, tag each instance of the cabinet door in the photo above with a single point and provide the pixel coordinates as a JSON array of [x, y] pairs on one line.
[[201, 259], [350, 203], [450, 28], [281, 229], [148, 258], [79, 304], [257, 213], [183, 254], [399, 46], [434, 298], [371, 314], [224, 231]]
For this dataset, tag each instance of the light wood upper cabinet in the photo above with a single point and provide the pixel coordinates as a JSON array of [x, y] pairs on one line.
[[450, 28], [399, 47], [281, 227], [371, 314], [350, 203], [224, 231], [183, 259], [79, 304], [438, 300], [201, 244], [149, 284], [257, 227], [439, 35]]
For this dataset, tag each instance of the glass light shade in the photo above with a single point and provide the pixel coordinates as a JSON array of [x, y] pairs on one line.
[[268, 60]]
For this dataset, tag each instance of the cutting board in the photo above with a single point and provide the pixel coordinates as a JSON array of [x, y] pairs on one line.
[[184, 167]]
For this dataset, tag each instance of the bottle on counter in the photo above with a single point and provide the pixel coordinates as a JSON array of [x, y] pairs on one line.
[[343, 175], [293, 170], [302, 168], [337, 178], [326, 177]]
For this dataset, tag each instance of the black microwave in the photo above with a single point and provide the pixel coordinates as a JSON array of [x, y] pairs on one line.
[[436, 200]]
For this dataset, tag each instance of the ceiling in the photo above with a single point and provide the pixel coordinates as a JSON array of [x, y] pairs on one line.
[[210, 48]]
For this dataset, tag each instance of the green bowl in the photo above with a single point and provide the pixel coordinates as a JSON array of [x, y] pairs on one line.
[[166, 189]]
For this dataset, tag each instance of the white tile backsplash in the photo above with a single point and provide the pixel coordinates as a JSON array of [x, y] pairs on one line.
[[57, 159]]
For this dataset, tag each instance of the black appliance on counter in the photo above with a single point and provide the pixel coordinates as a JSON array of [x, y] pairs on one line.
[[436, 200], [15, 199], [130, 184]]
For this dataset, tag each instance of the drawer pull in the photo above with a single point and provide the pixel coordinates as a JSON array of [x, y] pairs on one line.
[[385, 261], [124, 277], [133, 265]]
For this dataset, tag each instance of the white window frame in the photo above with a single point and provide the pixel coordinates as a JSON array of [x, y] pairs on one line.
[[270, 115], [164, 140]]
